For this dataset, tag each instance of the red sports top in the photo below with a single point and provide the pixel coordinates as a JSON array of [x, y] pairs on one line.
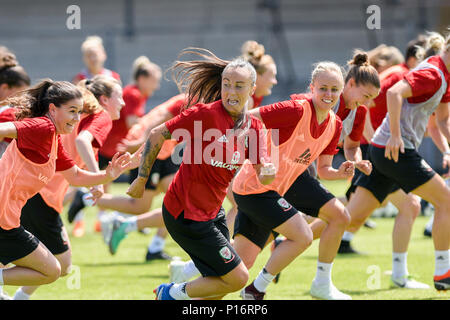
[[199, 189]]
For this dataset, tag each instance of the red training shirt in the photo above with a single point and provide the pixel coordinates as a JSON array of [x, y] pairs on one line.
[[199, 189]]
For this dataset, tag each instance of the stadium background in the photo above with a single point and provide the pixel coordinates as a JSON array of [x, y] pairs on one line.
[[297, 33]]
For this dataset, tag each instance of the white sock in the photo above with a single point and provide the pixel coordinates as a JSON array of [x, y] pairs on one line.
[[178, 291], [156, 245], [1, 278], [79, 216], [348, 236], [190, 270], [131, 224], [20, 295], [442, 262], [263, 280], [323, 273], [399, 264], [429, 225]]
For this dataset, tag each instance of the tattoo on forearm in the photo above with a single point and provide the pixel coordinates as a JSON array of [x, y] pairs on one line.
[[150, 153]]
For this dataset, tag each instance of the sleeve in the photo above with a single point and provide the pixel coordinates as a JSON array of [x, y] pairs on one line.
[[358, 124], [99, 125], [332, 149], [281, 114], [423, 82], [32, 132], [175, 107], [8, 115], [63, 162], [188, 120], [385, 85]]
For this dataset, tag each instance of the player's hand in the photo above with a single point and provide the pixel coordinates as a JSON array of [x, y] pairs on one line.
[[365, 166], [346, 169], [137, 188], [393, 146]]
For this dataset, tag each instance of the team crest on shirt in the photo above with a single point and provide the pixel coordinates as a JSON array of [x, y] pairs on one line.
[[236, 157], [226, 254], [284, 204]]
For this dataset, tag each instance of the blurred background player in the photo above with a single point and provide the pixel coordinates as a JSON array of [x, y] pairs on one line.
[[146, 77], [94, 58]]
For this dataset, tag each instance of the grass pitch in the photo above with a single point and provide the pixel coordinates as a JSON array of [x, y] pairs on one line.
[[125, 276]]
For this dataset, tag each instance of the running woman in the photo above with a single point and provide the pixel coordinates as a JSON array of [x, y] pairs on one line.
[[300, 190], [13, 79], [408, 205], [396, 162], [45, 112], [41, 214], [192, 209]]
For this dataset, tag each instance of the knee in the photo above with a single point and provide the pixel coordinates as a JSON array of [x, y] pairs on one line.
[[53, 272], [341, 217], [65, 269], [411, 207], [306, 240]]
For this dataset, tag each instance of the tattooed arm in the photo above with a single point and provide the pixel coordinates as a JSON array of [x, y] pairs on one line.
[[154, 143]]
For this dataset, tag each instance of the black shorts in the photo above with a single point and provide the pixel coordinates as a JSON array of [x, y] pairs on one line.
[[16, 244], [160, 169], [258, 214], [352, 187], [45, 223], [410, 172], [206, 242], [103, 161], [308, 195]]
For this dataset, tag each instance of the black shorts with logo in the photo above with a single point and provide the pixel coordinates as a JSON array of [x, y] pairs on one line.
[[206, 242], [16, 244], [258, 214], [308, 195], [45, 223], [410, 172]]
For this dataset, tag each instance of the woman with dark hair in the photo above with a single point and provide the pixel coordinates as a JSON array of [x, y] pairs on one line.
[[44, 112], [192, 209], [41, 214], [396, 162]]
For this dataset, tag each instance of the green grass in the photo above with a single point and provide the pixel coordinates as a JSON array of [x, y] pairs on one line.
[[98, 275]]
